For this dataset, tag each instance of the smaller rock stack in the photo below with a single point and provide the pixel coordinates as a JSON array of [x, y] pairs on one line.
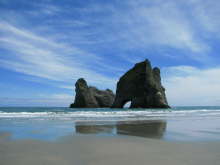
[[91, 97]]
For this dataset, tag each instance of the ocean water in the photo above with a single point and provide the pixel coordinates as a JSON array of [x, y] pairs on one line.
[[50, 123]]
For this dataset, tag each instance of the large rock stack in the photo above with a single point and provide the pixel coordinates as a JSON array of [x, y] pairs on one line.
[[142, 87]]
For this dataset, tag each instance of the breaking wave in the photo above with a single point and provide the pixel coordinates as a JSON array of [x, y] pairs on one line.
[[108, 114]]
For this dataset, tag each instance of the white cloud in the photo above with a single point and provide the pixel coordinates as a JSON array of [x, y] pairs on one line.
[[187, 85]]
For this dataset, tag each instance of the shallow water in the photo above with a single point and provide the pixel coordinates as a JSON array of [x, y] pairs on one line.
[[49, 123]]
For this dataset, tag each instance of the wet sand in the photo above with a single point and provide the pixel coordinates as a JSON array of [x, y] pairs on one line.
[[101, 150]]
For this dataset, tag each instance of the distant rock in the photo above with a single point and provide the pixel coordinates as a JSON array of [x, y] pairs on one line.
[[142, 86], [91, 97]]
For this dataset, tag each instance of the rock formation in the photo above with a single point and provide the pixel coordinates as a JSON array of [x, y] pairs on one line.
[[142, 86], [91, 97]]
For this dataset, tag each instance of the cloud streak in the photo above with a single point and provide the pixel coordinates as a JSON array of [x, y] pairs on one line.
[[38, 56], [144, 24]]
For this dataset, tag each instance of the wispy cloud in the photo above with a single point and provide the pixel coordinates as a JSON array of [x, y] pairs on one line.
[[207, 14], [143, 25], [147, 20], [36, 55], [156, 26]]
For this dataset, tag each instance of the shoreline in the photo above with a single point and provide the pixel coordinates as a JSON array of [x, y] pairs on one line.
[[180, 129]]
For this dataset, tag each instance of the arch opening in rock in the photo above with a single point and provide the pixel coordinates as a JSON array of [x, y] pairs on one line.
[[127, 104]]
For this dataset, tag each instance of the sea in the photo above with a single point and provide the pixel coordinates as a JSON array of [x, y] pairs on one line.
[[189, 123]]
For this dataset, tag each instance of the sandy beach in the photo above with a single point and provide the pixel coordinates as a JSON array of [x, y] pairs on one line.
[[177, 137], [100, 150]]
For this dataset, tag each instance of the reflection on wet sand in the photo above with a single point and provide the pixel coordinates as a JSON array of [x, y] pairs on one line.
[[87, 129], [150, 129]]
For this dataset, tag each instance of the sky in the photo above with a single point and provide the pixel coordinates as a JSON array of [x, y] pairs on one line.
[[46, 45]]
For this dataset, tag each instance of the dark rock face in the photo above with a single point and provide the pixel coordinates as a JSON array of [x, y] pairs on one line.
[[142, 86], [91, 97]]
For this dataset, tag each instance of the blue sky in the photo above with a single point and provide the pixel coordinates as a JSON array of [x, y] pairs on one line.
[[46, 45]]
